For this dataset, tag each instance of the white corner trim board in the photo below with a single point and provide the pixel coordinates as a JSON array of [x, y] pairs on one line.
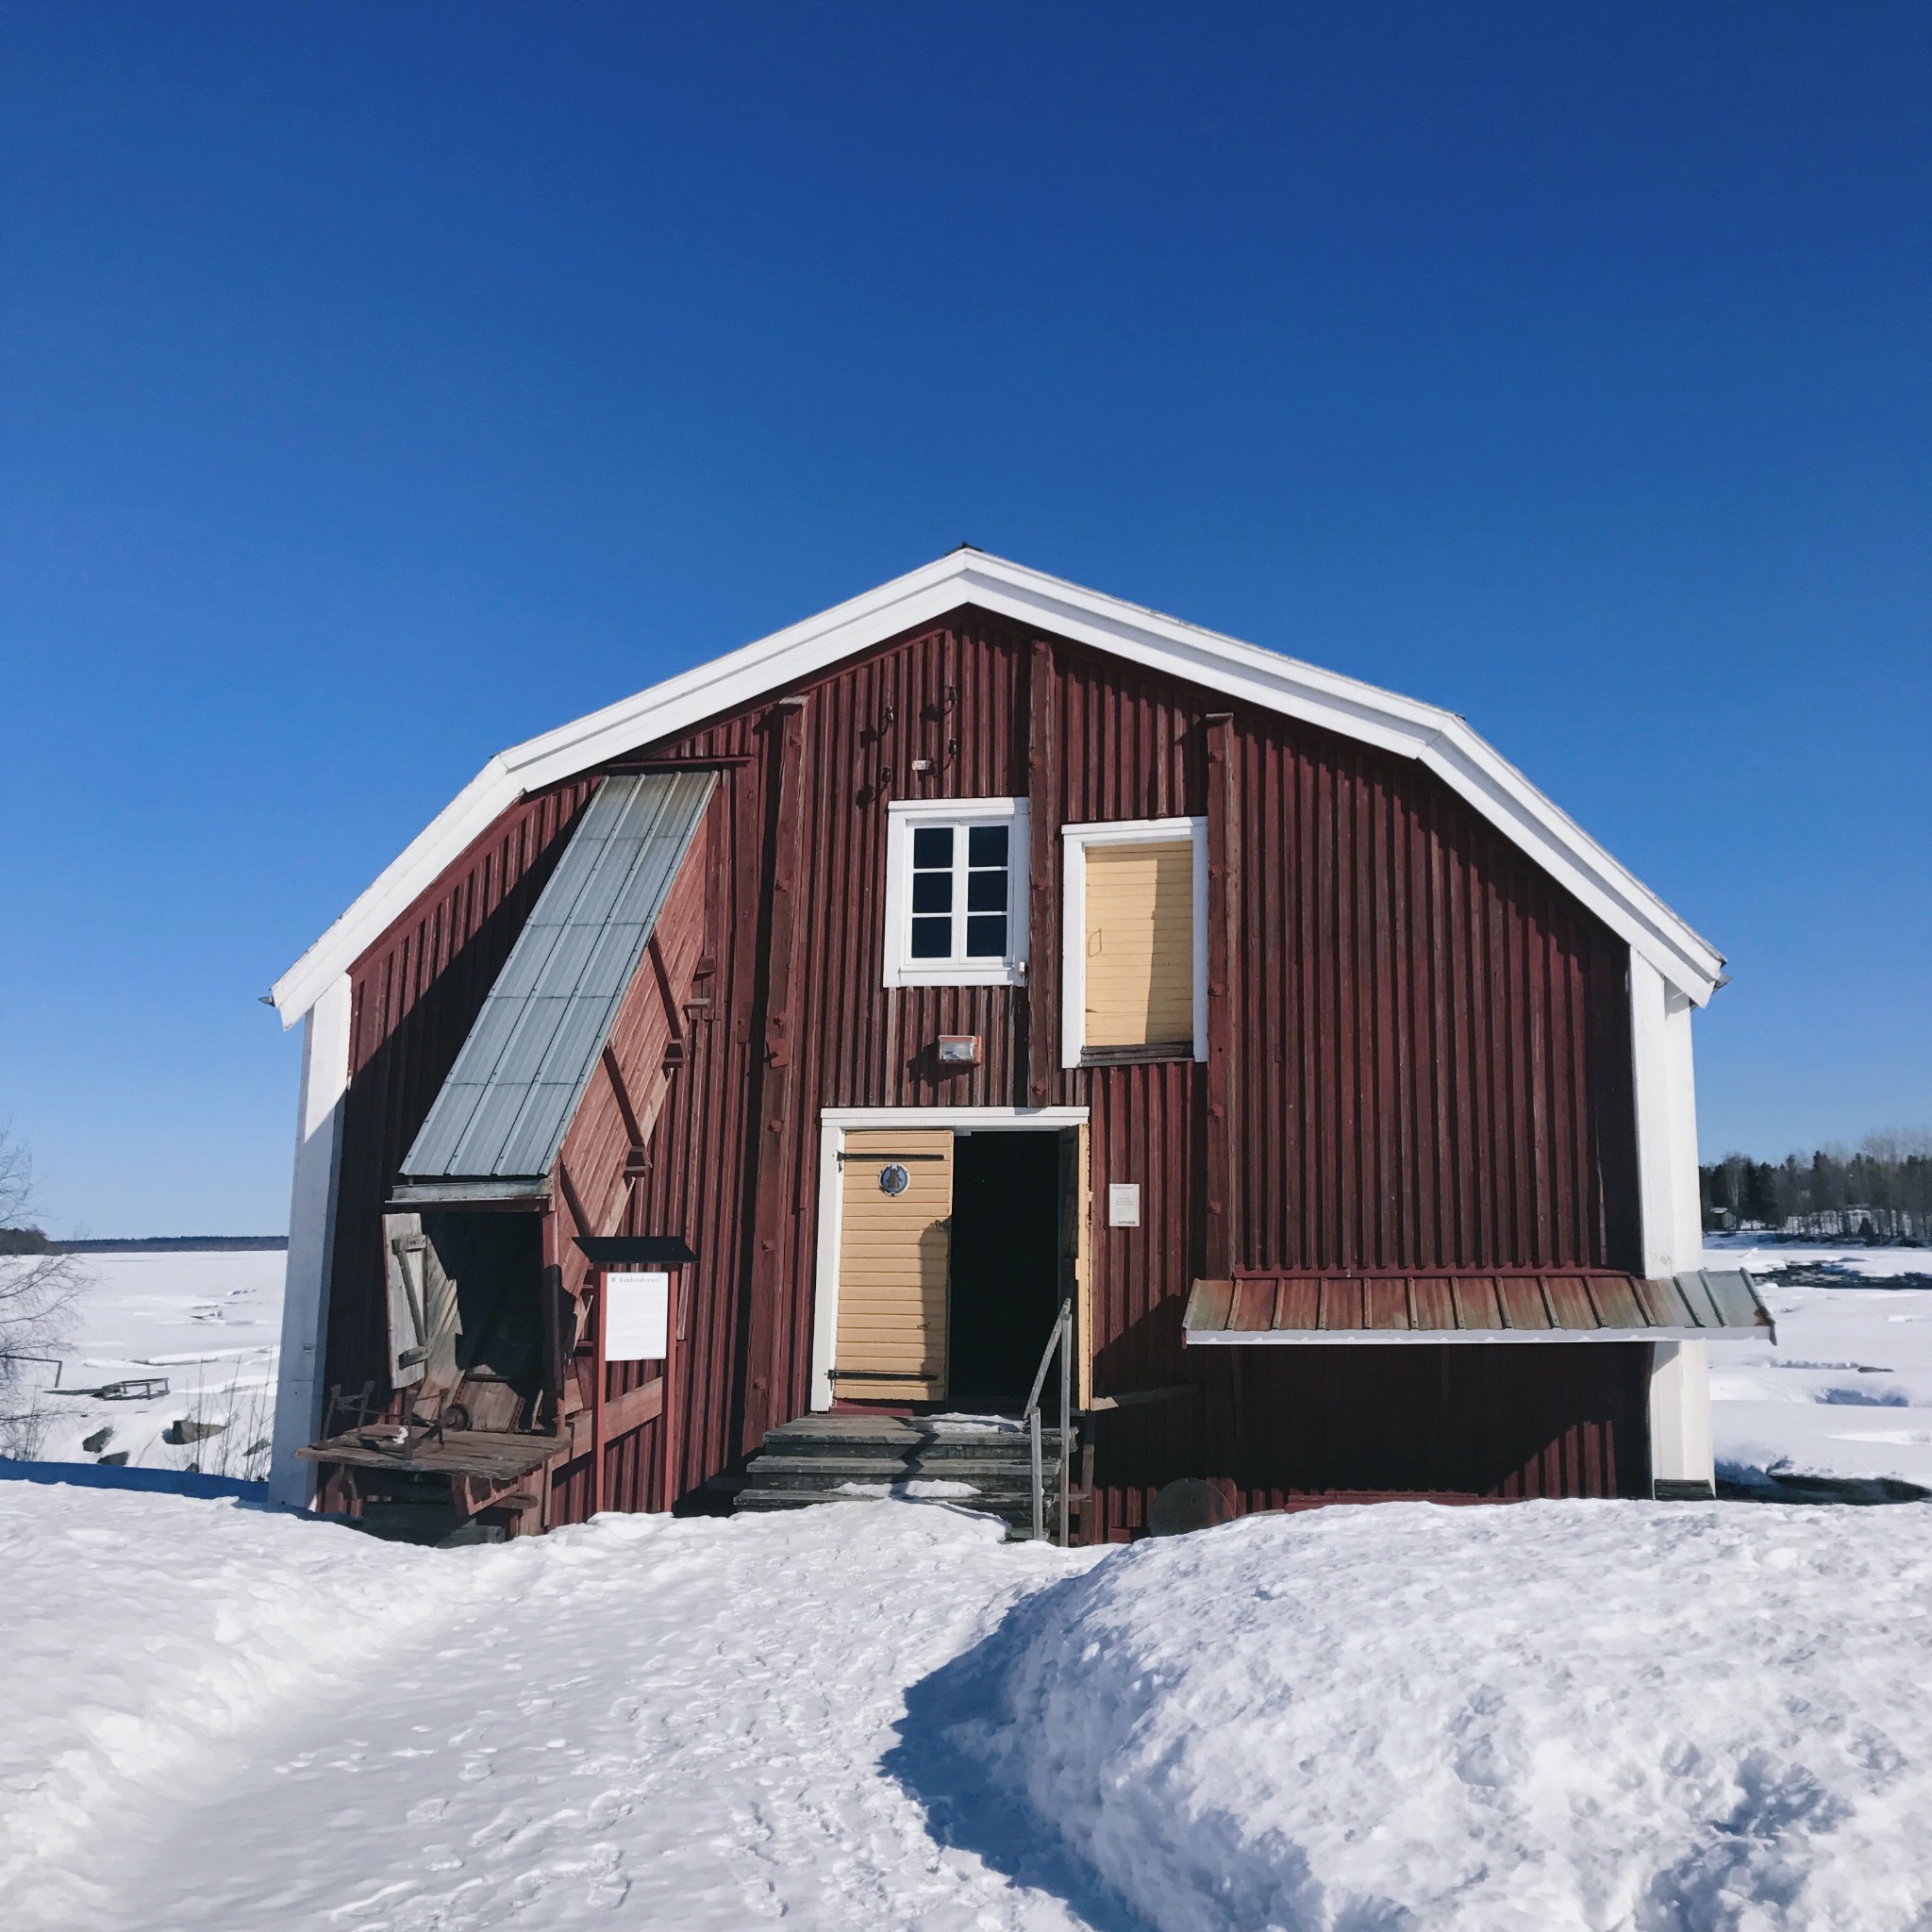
[[1439, 738], [311, 1244], [1681, 1438]]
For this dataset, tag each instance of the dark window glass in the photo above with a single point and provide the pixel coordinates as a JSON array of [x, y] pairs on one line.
[[932, 891], [932, 938], [932, 846], [986, 892], [985, 934], [985, 846]]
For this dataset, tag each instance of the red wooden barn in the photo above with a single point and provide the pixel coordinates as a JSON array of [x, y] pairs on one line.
[[732, 1085]]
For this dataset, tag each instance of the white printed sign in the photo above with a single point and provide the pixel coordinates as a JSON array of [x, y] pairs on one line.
[[1124, 1204], [637, 1318]]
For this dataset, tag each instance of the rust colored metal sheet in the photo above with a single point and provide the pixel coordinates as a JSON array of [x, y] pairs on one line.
[[1341, 1303], [1299, 1302], [1254, 1306], [1522, 1300], [1385, 1303], [1477, 1304], [1432, 1302], [1568, 1299]]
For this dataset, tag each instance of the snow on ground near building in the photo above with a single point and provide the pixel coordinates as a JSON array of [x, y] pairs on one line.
[[208, 1323], [1556, 1715], [1549, 1715], [1847, 1391]]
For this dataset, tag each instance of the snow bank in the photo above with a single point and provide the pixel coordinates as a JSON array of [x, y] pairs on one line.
[[1551, 1715]]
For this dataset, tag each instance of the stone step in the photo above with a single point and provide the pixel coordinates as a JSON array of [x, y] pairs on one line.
[[1015, 1511], [839, 1458], [820, 1477], [905, 1465], [925, 1445]]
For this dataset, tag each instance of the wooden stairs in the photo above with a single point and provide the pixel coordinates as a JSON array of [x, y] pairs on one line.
[[980, 1463]]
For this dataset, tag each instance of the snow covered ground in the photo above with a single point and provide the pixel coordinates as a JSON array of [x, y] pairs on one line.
[[1670, 1717], [208, 1324], [1664, 1718], [1847, 1391]]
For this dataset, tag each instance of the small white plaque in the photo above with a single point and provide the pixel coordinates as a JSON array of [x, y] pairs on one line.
[[637, 1317], [1124, 1204]]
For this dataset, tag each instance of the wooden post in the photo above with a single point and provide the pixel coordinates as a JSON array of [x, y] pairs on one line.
[[668, 1413], [1220, 1397], [778, 1084], [1223, 965], [597, 1379], [1043, 885]]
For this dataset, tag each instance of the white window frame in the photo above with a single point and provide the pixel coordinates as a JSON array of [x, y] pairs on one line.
[[1077, 839], [902, 815]]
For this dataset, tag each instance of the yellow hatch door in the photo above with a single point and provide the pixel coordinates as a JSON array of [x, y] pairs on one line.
[[1140, 944], [894, 1265]]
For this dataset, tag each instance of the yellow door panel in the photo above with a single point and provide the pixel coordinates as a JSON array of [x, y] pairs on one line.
[[894, 1265]]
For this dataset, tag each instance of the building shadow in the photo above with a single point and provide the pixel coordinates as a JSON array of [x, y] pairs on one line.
[[969, 1803]]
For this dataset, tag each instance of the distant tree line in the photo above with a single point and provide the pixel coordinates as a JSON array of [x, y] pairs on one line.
[[1883, 1192]]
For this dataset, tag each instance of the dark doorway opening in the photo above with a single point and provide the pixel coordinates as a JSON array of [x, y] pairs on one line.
[[1006, 1265], [494, 1266]]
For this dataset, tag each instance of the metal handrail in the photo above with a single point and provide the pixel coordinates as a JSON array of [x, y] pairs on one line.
[[1061, 1339]]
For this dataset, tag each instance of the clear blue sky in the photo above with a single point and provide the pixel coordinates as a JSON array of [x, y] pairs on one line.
[[382, 384]]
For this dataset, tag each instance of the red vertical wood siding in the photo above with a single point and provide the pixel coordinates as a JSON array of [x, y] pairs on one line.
[[1431, 1052], [596, 1154]]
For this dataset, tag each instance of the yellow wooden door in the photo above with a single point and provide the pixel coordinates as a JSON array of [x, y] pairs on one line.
[[894, 1265]]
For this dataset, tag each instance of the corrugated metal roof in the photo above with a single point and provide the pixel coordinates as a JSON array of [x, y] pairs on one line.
[[1569, 1305], [521, 1070]]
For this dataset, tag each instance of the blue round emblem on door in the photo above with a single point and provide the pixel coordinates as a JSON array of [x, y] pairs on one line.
[[893, 1179]]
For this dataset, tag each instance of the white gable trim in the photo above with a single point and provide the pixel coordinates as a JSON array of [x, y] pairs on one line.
[[1439, 738]]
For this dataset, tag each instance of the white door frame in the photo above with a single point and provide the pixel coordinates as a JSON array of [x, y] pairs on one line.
[[834, 1125]]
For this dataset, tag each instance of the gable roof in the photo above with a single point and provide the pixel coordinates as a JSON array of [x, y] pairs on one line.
[[1438, 739]]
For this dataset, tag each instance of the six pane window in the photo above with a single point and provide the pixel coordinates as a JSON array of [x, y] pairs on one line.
[[957, 909]]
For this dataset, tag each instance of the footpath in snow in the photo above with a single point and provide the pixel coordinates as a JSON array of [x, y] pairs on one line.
[[1666, 1718]]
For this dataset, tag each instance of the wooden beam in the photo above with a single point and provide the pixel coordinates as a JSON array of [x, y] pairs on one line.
[[1223, 966], [622, 1095], [1042, 1055], [633, 1409], [777, 1035]]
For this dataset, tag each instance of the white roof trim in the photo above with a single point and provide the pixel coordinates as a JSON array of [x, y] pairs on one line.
[[1439, 738]]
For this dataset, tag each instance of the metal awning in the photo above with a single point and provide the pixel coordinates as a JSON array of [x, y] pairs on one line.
[[1595, 1305], [501, 1114]]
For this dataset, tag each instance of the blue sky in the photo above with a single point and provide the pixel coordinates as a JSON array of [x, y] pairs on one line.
[[382, 384]]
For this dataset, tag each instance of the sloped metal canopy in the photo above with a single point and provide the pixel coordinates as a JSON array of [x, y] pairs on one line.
[[1594, 1305], [495, 1128]]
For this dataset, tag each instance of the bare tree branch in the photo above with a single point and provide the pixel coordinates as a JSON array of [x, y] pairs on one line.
[[37, 1298]]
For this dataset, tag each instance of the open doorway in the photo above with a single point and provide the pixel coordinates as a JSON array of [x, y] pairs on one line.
[[1006, 1265]]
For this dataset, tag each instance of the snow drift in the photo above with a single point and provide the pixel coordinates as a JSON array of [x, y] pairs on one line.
[[1551, 1715]]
